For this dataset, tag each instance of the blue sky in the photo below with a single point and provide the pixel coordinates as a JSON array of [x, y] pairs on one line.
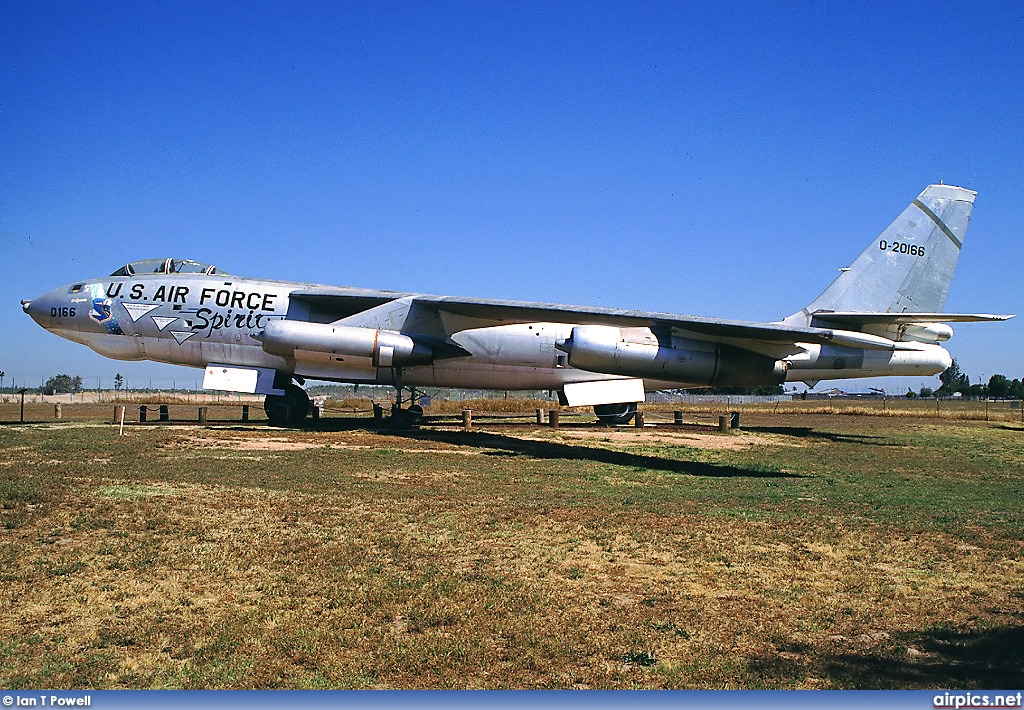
[[702, 158]]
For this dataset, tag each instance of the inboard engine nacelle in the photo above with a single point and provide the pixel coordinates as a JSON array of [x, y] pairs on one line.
[[386, 348], [636, 352]]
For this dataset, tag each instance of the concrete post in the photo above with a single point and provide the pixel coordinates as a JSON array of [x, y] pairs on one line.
[[56, 411], [202, 414], [723, 422], [467, 419], [142, 413], [118, 413], [540, 416], [245, 412], [553, 418], [164, 415], [638, 419]]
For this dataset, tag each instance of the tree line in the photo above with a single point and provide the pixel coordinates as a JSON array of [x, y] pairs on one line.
[[954, 381], [64, 384]]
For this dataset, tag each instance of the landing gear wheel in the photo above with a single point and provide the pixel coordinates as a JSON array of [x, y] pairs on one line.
[[405, 418], [288, 409], [615, 414]]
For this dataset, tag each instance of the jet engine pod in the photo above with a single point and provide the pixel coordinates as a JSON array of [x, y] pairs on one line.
[[386, 348], [927, 332], [636, 352]]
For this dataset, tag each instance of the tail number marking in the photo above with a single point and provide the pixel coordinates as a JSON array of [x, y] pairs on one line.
[[901, 248]]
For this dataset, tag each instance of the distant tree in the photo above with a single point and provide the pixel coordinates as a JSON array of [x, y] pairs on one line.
[[62, 384], [118, 381], [911, 394], [953, 380], [998, 387], [1016, 389], [926, 392]]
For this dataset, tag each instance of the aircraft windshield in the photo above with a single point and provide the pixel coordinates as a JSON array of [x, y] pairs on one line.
[[166, 266]]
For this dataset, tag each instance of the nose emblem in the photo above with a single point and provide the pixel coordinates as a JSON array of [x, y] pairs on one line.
[[102, 311]]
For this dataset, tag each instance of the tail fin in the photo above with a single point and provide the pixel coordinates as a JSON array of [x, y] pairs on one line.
[[909, 267]]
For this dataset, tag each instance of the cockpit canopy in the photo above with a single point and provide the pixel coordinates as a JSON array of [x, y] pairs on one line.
[[166, 266]]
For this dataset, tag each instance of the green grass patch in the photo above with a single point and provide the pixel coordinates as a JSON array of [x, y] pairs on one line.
[[810, 550]]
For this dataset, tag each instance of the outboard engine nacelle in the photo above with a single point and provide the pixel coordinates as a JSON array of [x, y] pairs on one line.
[[637, 352], [386, 348], [927, 333]]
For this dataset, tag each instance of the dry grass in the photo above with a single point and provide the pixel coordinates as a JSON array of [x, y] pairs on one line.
[[808, 551]]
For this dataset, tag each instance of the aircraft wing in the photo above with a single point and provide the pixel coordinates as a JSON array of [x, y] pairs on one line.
[[839, 328], [508, 312]]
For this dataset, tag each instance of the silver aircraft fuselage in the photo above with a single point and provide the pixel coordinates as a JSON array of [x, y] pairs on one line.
[[882, 316], [196, 319]]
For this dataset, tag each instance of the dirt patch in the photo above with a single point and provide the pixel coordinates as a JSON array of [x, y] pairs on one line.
[[356, 441]]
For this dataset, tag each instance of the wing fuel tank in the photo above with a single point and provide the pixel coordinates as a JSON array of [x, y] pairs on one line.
[[386, 348]]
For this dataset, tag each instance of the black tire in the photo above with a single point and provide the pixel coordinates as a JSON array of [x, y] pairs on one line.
[[405, 418], [288, 409], [615, 414]]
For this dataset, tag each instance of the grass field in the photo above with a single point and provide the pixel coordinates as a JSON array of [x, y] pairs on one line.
[[810, 550]]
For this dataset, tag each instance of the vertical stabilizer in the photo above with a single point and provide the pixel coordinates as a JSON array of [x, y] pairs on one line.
[[909, 266]]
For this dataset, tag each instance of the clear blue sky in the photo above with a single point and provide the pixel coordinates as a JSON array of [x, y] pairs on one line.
[[701, 158]]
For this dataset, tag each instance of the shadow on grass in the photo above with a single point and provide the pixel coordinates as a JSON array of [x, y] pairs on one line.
[[1011, 427], [806, 432], [512, 445], [938, 658]]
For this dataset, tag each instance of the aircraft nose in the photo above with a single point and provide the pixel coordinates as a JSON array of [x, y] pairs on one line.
[[35, 308], [39, 308]]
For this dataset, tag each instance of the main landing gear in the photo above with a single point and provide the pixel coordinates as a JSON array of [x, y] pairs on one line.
[[404, 418], [288, 409], [615, 414], [292, 407]]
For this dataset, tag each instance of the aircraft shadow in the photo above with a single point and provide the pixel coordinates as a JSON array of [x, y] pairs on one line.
[[503, 444], [942, 658], [811, 433], [509, 445]]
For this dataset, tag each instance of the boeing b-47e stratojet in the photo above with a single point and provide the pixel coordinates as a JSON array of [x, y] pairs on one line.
[[881, 316]]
